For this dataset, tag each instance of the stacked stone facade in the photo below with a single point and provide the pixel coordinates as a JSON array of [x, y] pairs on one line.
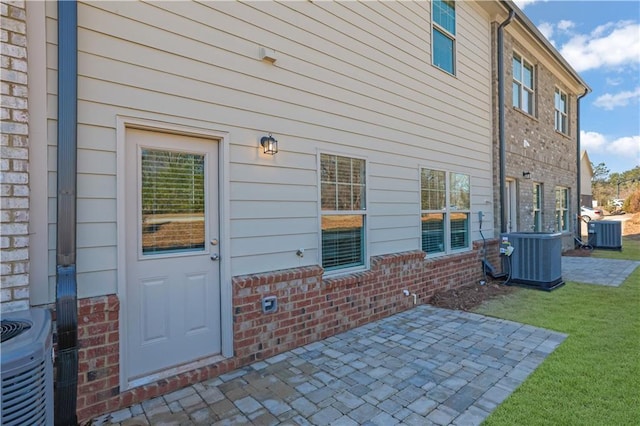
[[14, 161], [548, 155]]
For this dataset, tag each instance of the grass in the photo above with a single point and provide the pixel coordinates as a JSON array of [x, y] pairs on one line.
[[593, 377], [630, 250]]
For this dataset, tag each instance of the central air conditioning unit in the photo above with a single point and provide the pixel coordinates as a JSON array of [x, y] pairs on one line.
[[27, 368], [535, 260], [605, 234]]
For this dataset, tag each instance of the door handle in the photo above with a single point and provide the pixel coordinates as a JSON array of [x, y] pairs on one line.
[[215, 256]]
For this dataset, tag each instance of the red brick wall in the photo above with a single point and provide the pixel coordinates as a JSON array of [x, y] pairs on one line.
[[98, 356], [309, 309]]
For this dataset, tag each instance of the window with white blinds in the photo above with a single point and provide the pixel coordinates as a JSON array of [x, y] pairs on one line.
[[172, 201], [343, 211], [445, 209]]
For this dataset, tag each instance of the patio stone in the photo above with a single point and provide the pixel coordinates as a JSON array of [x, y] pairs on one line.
[[419, 367]]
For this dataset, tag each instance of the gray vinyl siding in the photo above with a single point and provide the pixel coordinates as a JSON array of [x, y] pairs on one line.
[[351, 77]]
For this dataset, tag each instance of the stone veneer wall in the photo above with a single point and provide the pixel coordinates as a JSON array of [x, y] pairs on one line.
[[310, 308], [550, 156], [14, 159]]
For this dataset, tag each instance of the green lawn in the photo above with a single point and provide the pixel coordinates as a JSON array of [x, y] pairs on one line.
[[593, 377]]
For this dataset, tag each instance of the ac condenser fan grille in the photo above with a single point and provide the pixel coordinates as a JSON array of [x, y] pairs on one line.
[[13, 328], [24, 395]]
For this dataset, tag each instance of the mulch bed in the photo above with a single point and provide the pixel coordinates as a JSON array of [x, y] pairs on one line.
[[577, 253], [468, 297]]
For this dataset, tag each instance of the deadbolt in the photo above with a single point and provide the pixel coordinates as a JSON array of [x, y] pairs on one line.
[[214, 242]]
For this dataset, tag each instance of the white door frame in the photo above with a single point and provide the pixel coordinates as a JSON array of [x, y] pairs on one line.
[[226, 290], [512, 205]]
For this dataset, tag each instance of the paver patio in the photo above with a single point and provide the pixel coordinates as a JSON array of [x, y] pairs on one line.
[[423, 366], [591, 270]]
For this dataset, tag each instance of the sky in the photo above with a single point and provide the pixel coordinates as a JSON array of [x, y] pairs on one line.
[[601, 40]]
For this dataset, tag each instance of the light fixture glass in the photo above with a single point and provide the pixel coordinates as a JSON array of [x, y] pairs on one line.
[[269, 144], [526, 175]]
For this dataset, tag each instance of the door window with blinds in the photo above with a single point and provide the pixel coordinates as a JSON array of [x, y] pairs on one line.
[[343, 212], [445, 205], [172, 200]]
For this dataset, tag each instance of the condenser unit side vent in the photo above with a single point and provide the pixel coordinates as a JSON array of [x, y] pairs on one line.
[[605, 234], [27, 369], [536, 260]]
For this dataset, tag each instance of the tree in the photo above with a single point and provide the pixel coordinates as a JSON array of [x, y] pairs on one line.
[[600, 172], [600, 184]]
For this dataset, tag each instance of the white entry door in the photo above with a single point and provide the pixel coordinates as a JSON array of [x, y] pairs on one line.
[[172, 267]]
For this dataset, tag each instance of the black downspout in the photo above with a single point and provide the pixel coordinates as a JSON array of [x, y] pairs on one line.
[[578, 165], [501, 136], [66, 391]]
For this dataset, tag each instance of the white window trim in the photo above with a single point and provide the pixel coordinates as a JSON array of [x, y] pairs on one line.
[[563, 114], [447, 212], [521, 85], [366, 246], [566, 208], [538, 208], [446, 33]]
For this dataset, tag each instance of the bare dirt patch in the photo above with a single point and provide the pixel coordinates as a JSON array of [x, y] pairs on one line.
[[468, 297]]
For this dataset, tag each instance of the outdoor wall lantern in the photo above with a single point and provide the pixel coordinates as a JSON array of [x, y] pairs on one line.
[[269, 144], [526, 175]]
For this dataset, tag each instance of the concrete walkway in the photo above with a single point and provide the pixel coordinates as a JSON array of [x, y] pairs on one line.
[[420, 367], [591, 270]]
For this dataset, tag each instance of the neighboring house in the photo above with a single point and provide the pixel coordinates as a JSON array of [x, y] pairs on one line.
[[539, 133], [586, 174], [196, 251]]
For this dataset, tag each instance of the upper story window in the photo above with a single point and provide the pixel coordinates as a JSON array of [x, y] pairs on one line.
[[561, 112], [444, 34], [562, 209], [445, 205], [523, 88], [343, 212]]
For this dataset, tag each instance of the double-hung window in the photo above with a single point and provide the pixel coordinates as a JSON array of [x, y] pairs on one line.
[[537, 207], [562, 209], [445, 211], [561, 112], [523, 88], [444, 34], [343, 212]]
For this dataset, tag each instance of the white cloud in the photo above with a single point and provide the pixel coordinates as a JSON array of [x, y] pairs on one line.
[[614, 81], [565, 25], [609, 101], [546, 29], [592, 141], [609, 45], [626, 147], [523, 3]]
